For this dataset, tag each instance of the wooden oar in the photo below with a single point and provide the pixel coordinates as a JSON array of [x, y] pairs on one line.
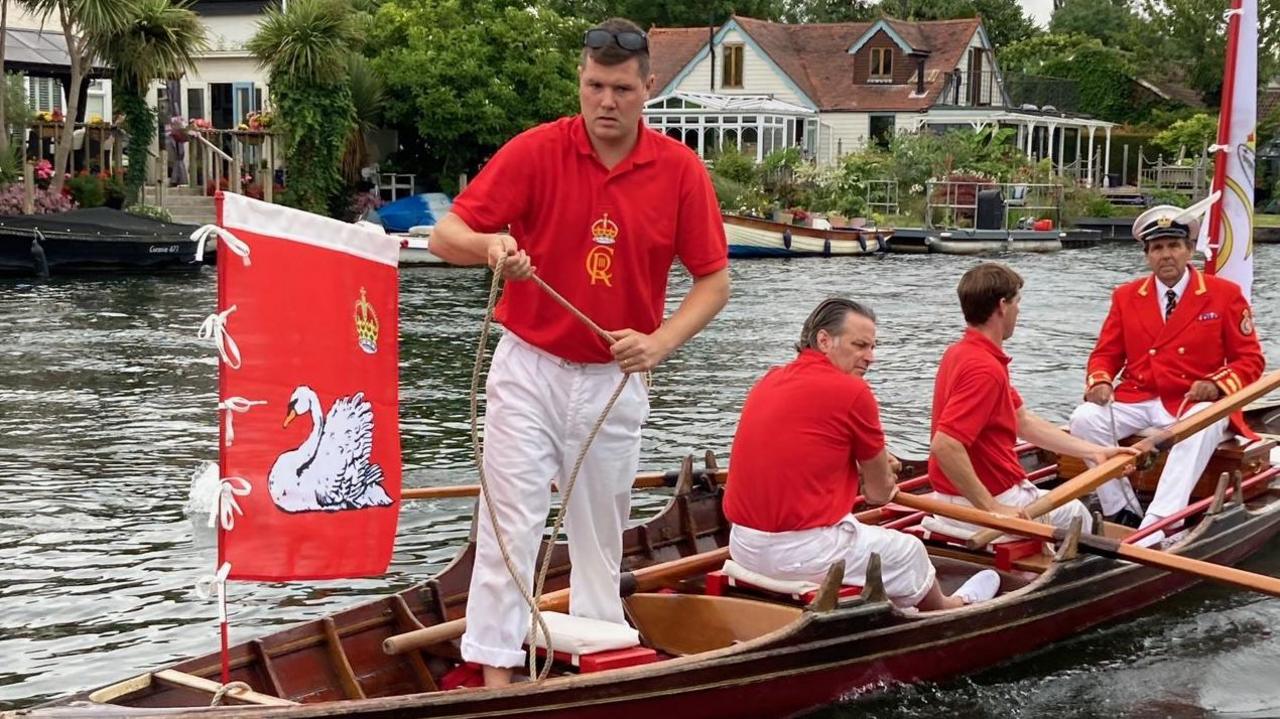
[[1094, 544], [640, 580], [1086, 482], [644, 480]]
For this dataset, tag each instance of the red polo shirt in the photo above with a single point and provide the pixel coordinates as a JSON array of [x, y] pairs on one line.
[[605, 239], [793, 463], [975, 403]]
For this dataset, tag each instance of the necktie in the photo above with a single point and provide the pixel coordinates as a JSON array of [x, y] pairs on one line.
[[1171, 299]]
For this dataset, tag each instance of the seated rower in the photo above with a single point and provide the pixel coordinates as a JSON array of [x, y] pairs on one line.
[[978, 415], [1182, 340], [809, 430]]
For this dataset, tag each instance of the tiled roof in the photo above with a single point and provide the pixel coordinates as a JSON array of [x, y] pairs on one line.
[[816, 58]]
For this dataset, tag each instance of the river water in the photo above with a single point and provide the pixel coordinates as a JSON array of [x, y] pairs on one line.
[[107, 405]]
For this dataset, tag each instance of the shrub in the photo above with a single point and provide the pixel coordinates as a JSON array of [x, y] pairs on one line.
[[87, 190], [150, 212], [1194, 133], [47, 202]]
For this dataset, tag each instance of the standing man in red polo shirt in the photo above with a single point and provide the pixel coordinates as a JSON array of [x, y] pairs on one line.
[[809, 431], [600, 206], [978, 415]]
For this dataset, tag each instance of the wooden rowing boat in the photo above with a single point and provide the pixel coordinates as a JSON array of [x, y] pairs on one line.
[[755, 237], [717, 654]]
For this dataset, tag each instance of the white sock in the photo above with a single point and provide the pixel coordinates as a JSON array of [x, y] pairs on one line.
[[980, 587]]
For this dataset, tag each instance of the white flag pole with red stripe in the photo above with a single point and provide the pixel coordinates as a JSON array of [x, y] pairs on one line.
[[1227, 240]]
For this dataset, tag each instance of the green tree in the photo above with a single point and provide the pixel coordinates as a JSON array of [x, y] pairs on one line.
[[1191, 35], [85, 23], [1111, 21], [160, 41], [1193, 133], [1004, 20], [1102, 75], [671, 13], [831, 11], [369, 96], [306, 50], [463, 77]]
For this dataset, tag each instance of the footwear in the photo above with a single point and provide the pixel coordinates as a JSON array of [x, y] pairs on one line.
[[980, 587], [1126, 518]]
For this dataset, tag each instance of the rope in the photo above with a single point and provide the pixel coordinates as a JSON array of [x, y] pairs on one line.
[[537, 623], [232, 688]]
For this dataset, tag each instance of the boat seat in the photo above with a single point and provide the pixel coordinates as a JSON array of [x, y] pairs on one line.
[[736, 576], [593, 645], [1007, 549]]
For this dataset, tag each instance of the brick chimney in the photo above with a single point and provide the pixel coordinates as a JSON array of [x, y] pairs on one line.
[[920, 57]]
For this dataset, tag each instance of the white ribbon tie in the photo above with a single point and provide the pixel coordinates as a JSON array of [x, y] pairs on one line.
[[225, 507], [231, 405], [215, 327], [235, 244]]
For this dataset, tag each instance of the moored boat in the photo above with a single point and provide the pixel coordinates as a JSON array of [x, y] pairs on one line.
[[92, 240], [756, 237], [414, 250], [712, 654], [966, 241]]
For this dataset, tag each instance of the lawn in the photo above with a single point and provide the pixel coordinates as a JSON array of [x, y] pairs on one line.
[[1266, 220]]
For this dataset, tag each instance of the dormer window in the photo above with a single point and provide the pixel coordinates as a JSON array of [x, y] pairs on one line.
[[881, 65], [732, 76]]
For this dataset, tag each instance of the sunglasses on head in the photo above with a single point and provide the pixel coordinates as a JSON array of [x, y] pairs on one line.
[[630, 40]]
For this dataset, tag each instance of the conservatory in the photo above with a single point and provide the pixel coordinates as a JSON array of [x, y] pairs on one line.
[[755, 124]]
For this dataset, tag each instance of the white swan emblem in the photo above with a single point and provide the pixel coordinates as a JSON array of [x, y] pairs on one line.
[[331, 470]]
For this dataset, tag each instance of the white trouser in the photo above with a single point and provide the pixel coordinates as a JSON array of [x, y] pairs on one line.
[[1019, 495], [1183, 467], [808, 554], [540, 413]]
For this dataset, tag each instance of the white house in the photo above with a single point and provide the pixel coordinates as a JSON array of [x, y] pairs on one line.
[[36, 48], [833, 88], [227, 83]]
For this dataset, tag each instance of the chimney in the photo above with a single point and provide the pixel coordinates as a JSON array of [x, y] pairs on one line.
[[921, 56]]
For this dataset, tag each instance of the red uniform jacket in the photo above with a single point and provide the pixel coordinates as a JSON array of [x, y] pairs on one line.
[[1208, 336]]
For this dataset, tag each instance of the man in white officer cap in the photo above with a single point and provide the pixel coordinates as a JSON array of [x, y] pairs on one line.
[[1173, 342]]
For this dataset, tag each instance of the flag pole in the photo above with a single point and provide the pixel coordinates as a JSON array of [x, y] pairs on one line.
[[1224, 136]]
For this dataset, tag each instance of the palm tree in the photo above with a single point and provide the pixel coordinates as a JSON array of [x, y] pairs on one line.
[[160, 41], [306, 49], [369, 95], [84, 24]]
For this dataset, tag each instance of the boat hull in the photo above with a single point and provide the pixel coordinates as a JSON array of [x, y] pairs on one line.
[[750, 237], [823, 657], [980, 242]]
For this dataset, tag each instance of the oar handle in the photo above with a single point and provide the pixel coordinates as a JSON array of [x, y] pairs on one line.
[[1094, 544], [1086, 482], [640, 580]]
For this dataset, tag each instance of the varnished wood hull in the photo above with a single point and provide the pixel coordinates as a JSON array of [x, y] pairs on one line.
[[818, 659], [754, 237]]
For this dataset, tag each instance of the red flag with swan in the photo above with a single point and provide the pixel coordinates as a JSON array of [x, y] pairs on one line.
[[308, 385]]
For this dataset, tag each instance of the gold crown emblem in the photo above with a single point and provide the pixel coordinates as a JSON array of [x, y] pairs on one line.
[[1164, 221], [604, 231], [366, 324]]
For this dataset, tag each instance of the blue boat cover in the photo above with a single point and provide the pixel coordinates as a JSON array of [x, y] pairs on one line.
[[407, 212]]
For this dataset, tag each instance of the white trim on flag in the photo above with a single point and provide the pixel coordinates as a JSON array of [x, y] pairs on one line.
[[264, 218]]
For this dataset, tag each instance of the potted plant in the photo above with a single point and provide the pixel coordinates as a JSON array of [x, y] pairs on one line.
[[49, 122], [178, 129], [254, 128]]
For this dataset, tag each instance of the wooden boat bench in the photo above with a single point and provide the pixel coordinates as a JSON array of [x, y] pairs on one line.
[[1006, 553], [734, 576], [591, 645]]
